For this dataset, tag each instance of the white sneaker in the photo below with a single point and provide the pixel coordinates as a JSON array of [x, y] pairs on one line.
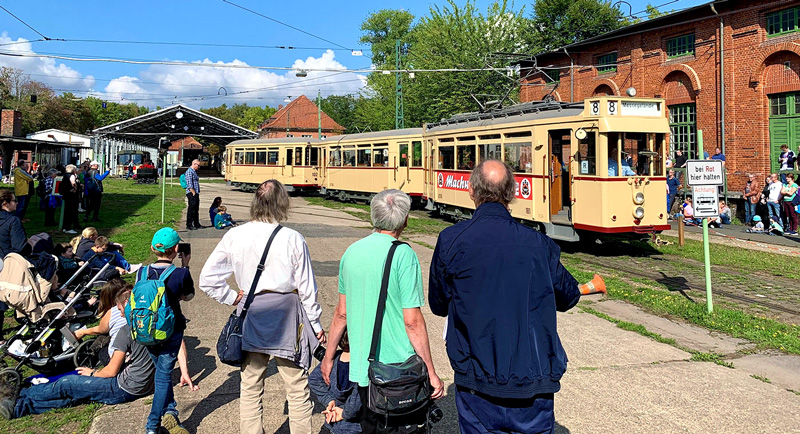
[[70, 231]]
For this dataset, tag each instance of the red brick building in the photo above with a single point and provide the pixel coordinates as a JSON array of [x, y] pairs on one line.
[[188, 149], [742, 90], [299, 119]]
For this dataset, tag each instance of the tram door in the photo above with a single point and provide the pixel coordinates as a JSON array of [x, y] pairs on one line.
[[559, 170], [290, 160]]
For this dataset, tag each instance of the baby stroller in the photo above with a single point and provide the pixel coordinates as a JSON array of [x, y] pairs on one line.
[[45, 341]]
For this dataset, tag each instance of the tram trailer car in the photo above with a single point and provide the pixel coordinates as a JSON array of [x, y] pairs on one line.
[[358, 166], [294, 161], [124, 157], [566, 160]]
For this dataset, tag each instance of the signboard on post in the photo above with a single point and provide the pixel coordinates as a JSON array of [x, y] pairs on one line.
[[706, 201], [704, 176], [704, 172]]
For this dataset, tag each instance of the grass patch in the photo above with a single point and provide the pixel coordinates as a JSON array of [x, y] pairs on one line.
[[131, 213], [699, 356], [764, 332], [423, 244], [63, 421], [587, 368], [760, 378]]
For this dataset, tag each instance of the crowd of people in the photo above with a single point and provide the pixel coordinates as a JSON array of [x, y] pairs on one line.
[[283, 319], [80, 191]]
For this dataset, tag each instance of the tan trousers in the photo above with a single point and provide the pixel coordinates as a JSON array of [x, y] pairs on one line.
[[295, 380]]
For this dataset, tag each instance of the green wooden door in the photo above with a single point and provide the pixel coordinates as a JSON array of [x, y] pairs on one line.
[[784, 125]]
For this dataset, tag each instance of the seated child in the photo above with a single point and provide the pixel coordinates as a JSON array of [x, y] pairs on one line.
[[222, 220], [121, 266], [68, 264], [758, 227], [212, 211], [775, 227], [341, 400]]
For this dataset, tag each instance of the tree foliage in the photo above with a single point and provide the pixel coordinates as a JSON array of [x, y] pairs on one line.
[[382, 29], [556, 23], [65, 112]]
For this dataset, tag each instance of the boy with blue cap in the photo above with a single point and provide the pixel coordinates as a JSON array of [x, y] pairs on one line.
[[179, 286]]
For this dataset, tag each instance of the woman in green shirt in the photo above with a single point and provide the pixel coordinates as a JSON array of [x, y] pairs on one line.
[[789, 191]]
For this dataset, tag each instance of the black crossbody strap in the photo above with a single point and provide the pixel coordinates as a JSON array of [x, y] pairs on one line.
[[376, 331], [251, 295]]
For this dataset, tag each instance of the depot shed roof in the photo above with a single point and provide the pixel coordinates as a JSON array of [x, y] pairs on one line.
[[174, 123]]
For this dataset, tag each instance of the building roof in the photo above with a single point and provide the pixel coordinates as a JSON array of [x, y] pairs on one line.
[[696, 13], [300, 114], [185, 143], [35, 142], [173, 123], [56, 130]]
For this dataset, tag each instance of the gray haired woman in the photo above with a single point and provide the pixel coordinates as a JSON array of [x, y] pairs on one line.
[[283, 320]]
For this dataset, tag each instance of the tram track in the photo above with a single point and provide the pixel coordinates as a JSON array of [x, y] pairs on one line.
[[680, 283]]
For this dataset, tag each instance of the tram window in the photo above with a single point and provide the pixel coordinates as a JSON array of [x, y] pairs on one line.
[[587, 154], [312, 156], [466, 157], [364, 157], [404, 155], [298, 156], [261, 157], [489, 152], [381, 157], [633, 145], [289, 158], [335, 157], [519, 156], [272, 158], [658, 148], [416, 155], [239, 155], [446, 157], [349, 157], [249, 157]]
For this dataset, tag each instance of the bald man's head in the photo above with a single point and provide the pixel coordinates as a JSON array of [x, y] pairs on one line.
[[492, 181]]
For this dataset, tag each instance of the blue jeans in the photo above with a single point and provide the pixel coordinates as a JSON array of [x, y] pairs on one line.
[[750, 211], [670, 199], [68, 391], [164, 357], [482, 414], [22, 205], [775, 210]]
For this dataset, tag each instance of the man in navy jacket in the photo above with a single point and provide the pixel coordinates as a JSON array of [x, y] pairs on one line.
[[500, 284]]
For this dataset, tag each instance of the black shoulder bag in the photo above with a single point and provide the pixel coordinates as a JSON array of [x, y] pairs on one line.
[[229, 344], [395, 389]]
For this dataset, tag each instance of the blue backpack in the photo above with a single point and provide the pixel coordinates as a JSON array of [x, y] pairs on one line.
[[148, 311], [183, 181]]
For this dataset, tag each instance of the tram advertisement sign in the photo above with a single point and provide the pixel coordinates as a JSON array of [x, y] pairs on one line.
[[706, 201], [704, 172], [460, 181]]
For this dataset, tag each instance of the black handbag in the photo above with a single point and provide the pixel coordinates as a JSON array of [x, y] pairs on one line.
[[229, 344], [395, 389]]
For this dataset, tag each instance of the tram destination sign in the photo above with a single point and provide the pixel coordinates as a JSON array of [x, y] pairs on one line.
[[704, 172]]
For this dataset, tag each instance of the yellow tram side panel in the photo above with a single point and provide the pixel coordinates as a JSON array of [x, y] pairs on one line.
[[598, 203], [255, 161], [346, 167]]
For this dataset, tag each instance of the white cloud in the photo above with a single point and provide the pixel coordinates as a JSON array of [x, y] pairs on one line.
[[56, 75], [198, 87]]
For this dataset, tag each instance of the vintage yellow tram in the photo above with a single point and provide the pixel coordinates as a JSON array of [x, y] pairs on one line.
[[581, 169], [594, 167], [360, 165], [292, 160]]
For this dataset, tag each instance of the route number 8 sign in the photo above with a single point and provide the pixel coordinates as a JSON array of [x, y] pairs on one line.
[[612, 108], [595, 108]]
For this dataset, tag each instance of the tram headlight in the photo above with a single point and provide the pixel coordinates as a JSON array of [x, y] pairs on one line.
[[639, 198], [638, 212]]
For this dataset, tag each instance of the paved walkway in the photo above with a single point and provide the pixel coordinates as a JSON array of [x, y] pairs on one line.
[[618, 381], [736, 236]]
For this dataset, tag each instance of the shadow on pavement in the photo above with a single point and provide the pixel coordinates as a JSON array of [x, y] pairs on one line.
[[678, 283], [219, 397], [199, 360]]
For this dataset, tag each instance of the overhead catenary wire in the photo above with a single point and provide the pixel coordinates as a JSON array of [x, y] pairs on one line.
[[26, 24], [203, 44]]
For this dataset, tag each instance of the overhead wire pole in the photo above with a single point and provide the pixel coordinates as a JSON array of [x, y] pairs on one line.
[[399, 121], [319, 113]]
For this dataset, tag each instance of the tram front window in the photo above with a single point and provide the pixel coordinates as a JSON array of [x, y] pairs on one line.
[[631, 154]]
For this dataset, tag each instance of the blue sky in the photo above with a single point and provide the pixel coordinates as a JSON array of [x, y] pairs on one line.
[[203, 22]]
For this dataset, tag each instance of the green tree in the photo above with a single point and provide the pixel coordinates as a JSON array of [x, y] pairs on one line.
[[556, 23], [381, 30], [653, 12], [342, 109]]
